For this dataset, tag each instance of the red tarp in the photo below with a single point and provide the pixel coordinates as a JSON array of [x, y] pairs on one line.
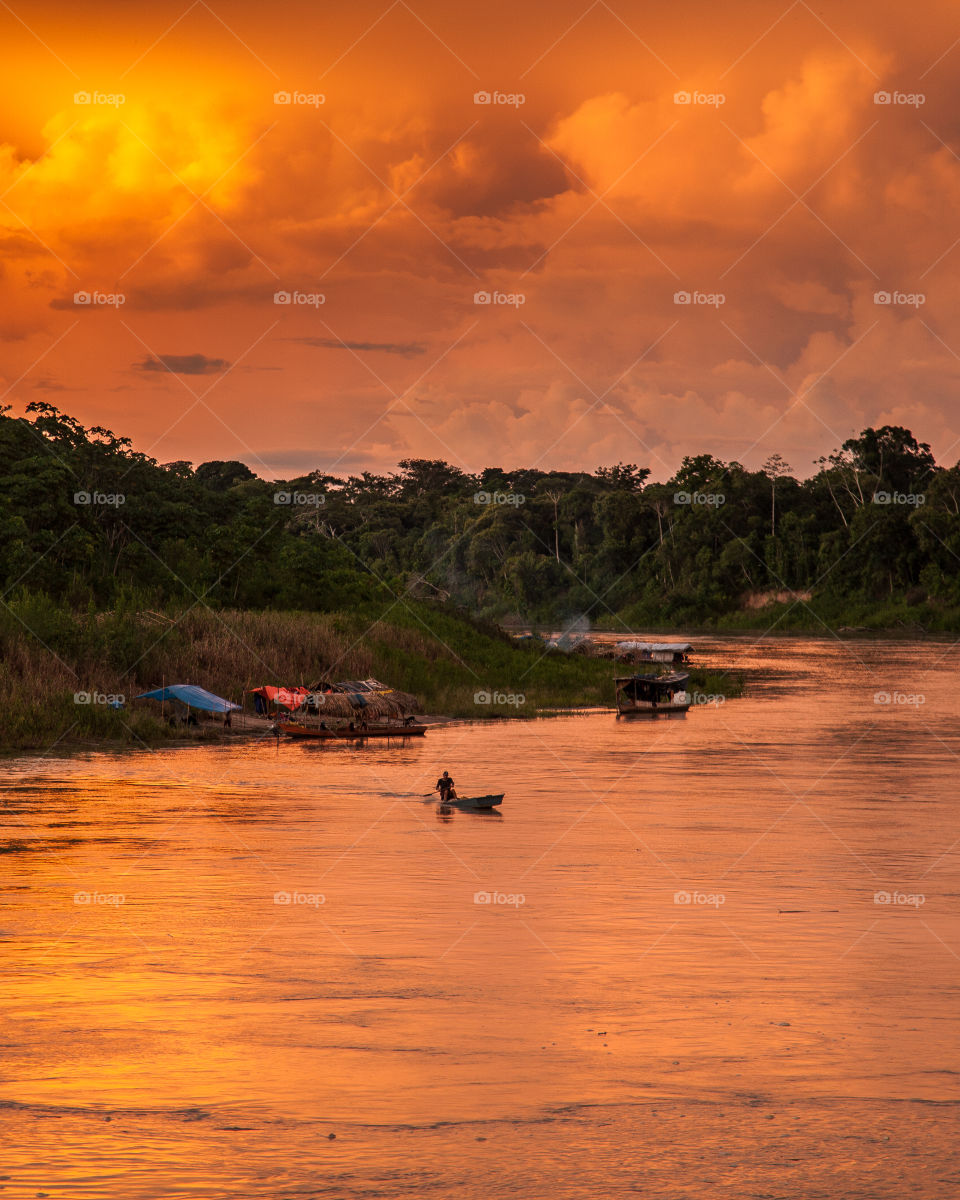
[[288, 697]]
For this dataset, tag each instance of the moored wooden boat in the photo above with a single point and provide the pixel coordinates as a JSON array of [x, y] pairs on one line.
[[344, 733], [652, 695]]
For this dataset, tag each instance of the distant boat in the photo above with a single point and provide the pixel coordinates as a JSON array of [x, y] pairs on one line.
[[674, 653], [652, 695], [344, 733]]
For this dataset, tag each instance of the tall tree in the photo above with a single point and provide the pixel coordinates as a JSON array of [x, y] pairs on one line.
[[775, 468]]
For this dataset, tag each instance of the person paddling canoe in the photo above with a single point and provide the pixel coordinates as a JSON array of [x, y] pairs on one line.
[[444, 787]]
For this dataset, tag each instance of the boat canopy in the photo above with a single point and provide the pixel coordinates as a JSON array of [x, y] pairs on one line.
[[656, 647], [363, 685], [194, 697], [673, 680], [316, 700], [354, 686]]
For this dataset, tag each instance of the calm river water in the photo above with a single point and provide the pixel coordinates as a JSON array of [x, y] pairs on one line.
[[711, 957]]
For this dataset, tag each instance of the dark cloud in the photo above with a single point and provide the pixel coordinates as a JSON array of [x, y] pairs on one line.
[[504, 171], [46, 384], [404, 349], [183, 364]]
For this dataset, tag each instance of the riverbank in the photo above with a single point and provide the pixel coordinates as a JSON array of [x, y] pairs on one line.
[[59, 669]]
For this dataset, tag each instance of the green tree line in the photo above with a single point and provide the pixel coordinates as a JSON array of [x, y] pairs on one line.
[[91, 523]]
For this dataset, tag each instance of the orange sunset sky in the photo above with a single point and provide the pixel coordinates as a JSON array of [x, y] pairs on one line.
[[183, 187]]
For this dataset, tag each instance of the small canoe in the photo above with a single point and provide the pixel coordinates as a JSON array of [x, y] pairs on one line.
[[474, 802]]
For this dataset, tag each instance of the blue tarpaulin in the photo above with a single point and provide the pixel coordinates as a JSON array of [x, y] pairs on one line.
[[196, 697]]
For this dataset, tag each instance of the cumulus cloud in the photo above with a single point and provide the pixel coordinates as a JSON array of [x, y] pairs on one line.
[[592, 206]]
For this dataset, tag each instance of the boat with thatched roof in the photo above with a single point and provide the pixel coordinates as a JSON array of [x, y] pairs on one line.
[[352, 709]]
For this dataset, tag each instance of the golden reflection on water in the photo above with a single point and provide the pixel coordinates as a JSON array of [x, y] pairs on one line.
[[291, 940]]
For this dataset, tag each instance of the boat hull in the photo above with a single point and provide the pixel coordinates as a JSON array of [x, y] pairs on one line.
[[312, 733], [474, 803], [665, 710]]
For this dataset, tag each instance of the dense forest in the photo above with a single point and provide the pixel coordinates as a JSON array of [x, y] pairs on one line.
[[90, 524]]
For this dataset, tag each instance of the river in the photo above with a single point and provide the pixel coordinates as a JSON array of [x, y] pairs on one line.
[[709, 957]]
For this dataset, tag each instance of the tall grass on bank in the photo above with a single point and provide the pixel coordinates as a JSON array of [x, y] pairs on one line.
[[49, 655]]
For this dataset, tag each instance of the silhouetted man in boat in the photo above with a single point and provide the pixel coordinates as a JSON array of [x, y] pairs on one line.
[[444, 787]]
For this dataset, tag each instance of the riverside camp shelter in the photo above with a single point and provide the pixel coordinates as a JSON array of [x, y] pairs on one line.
[[191, 696]]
